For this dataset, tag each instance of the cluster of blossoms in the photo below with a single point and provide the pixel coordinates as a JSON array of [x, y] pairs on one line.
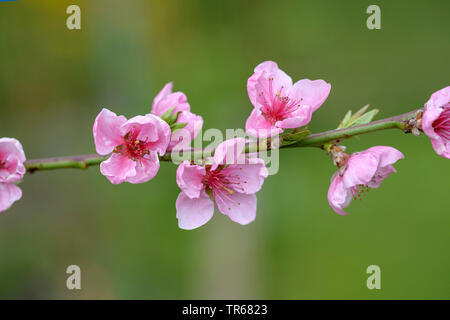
[[231, 176]]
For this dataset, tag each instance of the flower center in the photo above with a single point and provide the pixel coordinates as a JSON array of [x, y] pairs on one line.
[[277, 106], [2, 164], [442, 124], [132, 147], [218, 182]]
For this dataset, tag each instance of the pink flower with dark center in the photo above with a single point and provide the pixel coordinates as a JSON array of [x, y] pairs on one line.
[[230, 182], [279, 104], [364, 170], [134, 144], [12, 170], [436, 121], [166, 100]]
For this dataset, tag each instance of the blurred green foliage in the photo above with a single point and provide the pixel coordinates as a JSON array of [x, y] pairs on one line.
[[53, 82]]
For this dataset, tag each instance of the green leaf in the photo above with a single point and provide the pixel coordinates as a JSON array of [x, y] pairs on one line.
[[346, 119], [361, 111], [167, 115], [174, 117], [365, 118], [176, 126], [360, 117]]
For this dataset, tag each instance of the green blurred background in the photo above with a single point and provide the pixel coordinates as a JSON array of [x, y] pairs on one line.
[[53, 83]]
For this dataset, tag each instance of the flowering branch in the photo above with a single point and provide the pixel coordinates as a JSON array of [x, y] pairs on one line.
[[229, 175], [313, 140]]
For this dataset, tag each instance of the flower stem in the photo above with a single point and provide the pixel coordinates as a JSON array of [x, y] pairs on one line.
[[313, 140]]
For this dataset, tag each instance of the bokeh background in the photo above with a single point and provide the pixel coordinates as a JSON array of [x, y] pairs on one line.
[[53, 82]]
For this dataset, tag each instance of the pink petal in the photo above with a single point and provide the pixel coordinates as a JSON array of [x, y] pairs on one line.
[[271, 68], [259, 81], [12, 157], [250, 177], [107, 134], [382, 173], [311, 92], [258, 126], [11, 147], [439, 98], [118, 168], [150, 128], [193, 213], [386, 155], [339, 197], [441, 147], [360, 169], [429, 116], [299, 118], [167, 100], [9, 193], [13, 170], [240, 207], [189, 179], [146, 169], [166, 90], [229, 152], [181, 138], [176, 100]]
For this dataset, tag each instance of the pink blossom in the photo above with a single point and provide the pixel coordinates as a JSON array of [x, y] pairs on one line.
[[436, 121], [230, 184], [166, 100], [134, 144], [12, 170], [279, 104], [363, 171]]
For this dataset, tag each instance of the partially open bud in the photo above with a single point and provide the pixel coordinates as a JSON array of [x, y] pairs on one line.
[[362, 171]]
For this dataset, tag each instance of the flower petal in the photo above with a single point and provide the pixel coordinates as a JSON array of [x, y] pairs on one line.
[[439, 98], [429, 116], [11, 146], [310, 92], [229, 152], [106, 130], [247, 178], [118, 168], [150, 128], [360, 169], [339, 197], [193, 213], [189, 179], [12, 157], [386, 155], [9, 193], [441, 147], [181, 138], [146, 169], [299, 118], [165, 91], [266, 82], [382, 173], [258, 126], [240, 207]]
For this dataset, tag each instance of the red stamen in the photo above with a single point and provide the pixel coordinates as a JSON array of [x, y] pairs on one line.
[[132, 147], [277, 107]]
